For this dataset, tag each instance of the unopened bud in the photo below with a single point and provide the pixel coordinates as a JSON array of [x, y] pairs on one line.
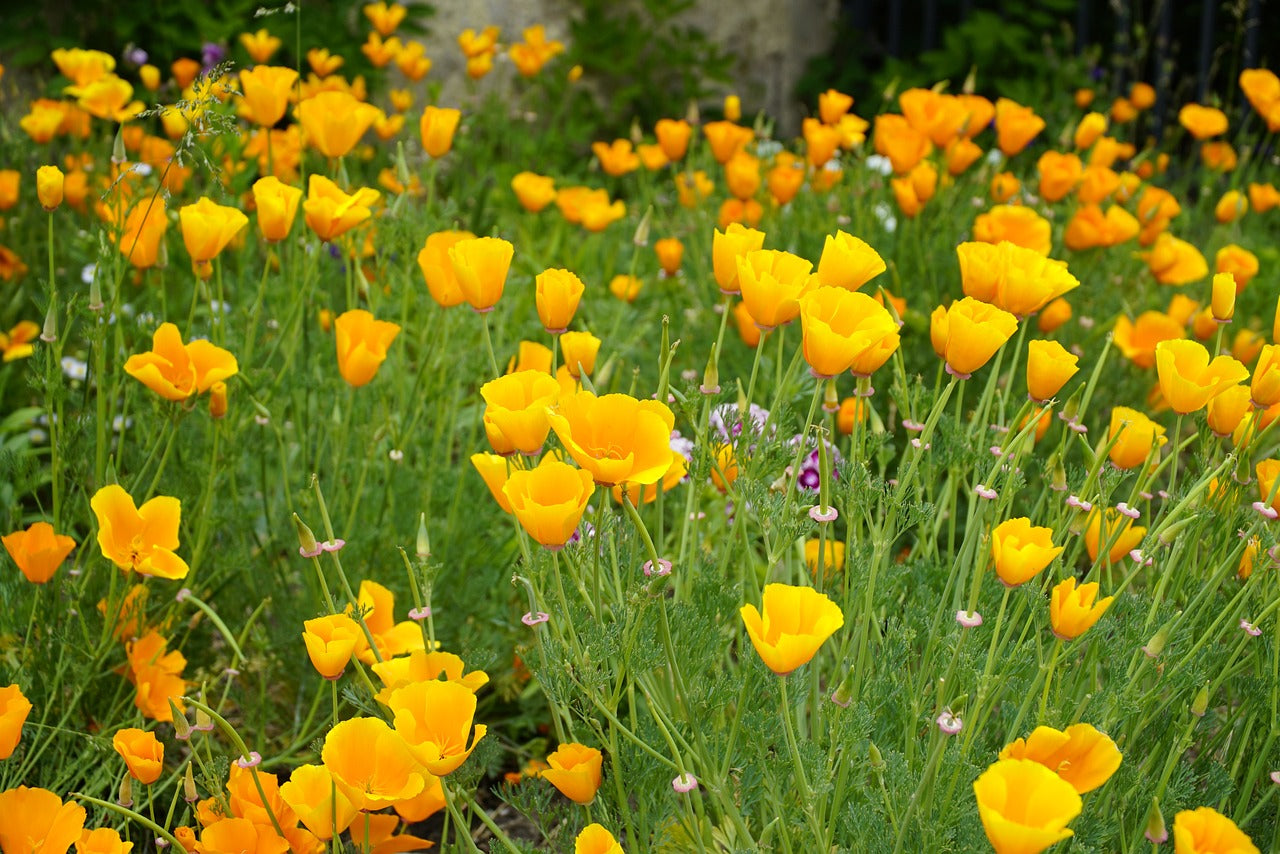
[[1156, 833], [1071, 409], [306, 538], [402, 167], [95, 293], [691, 114], [877, 761], [204, 723], [189, 793], [637, 133], [1201, 703], [1170, 532], [50, 332], [830, 397], [1223, 300], [125, 797], [843, 695], [711, 376], [1156, 645], [641, 237], [117, 147], [1059, 476], [424, 541], [181, 728], [218, 400]]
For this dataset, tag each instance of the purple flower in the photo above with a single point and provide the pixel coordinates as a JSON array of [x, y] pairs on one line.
[[212, 53]]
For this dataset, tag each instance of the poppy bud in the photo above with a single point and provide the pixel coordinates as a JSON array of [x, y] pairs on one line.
[[218, 400], [49, 183], [1224, 297], [125, 797], [117, 146], [189, 793], [182, 729], [424, 541], [877, 760], [306, 538], [1200, 704], [1156, 645], [711, 376], [1156, 833]]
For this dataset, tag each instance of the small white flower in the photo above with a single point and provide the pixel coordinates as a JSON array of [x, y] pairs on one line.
[[880, 163], [87, 273], [74, 368]]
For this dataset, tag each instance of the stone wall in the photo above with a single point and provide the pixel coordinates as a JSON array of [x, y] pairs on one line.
[[772, 39]]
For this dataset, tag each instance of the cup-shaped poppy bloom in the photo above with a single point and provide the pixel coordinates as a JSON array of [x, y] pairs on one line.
[[616, 437], [362, 345], [331, 641], [516, 404], [49, 187], [437, 127], [1188, 380], [1239, 262], [267, 90], [673, 137], [772, 284], [596, 839], [494, 470], [385, 17], [142, 753], [575, 771], [1081, 755], [1227, 411], [726, 248], [28, 815], [1018, 224], [334, 121], [143, 538], [848, 262], [579, 350], [726, 138], [1202, 122], [144, 230], [481, 265], [437, 269], [1207, 831], [1059, 174], [38, 551], [625, 287], [557, 293], [330, 212], [842, 327], [106, 840], [896, 139], [260, 45], [319, 802], [370, 764], [1016, 126], [1073, 610], [277, 206], [14, 708], [1049, 367], [1175, 262], [1115, 530], [420, 666], [549, 500], [534, 191], [1139, 437], [435, 720], [1021, 551], [1138, 339], [176, 371], [670, 252], [795, 622], [1012, 277], [207, 228], [1025, 808], [1264, 388], [968, 333]]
